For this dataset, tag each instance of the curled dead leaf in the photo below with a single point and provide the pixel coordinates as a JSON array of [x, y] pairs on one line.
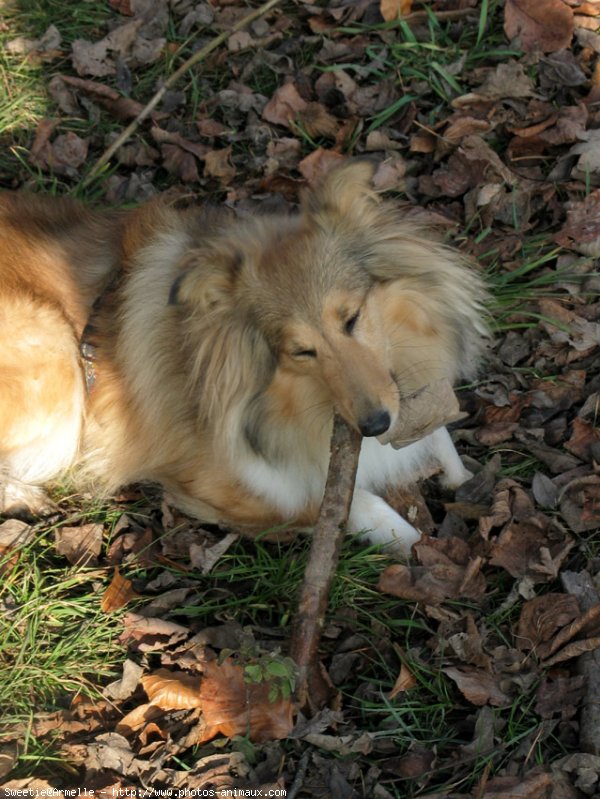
[[478, 686], [404, 682], [394, 9], [217, 164], [318, 163], [80, 545], [579, 503], [231, 706], [542, 617], [448, 572], [118, 593], [172, 690], [284, 106], [545, 25]]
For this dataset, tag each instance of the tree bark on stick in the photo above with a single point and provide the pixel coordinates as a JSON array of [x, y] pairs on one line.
[[582, 587], [320, 569]]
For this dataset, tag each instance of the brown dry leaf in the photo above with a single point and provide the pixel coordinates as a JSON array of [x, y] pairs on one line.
[[204, 557], [389, 175], [217, 164], [9, 753], [150, 634], [448, 572], [573, 650], [196, 148], [13, 534], [118, 593], [393, 9], [318, 163], [560, 696], [532, 786], [180, 163], [468, 645], [404, 682], [211, 128], [478, 686], [136, 720], [107, 97], [410, 503], [508, 79], [542, 617], [316, 120], [529, 542], [284, 106], [416, 763], [582, 229], [585, 439], [46, 48], [545, 25], [64, 156], [230, 706], [40, 151], [124, 687], [79, 545], [69, 151], [66, 722], [172, 690], [91, 58], [122, 6], [579, 503], [526, 549]]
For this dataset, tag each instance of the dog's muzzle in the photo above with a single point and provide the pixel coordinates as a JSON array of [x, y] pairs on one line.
[[376, 423]]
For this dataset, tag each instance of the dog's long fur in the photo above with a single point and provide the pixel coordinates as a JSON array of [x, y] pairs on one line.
[[225, 348]]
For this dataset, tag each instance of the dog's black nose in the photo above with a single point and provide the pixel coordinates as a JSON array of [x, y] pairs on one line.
[[376, 423]]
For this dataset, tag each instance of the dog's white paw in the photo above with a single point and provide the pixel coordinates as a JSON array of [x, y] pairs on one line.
[[24, 500], [455, 477], [454, 473], [381, 524]]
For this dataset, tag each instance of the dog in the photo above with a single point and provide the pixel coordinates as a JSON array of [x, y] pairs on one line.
[[221, 348]]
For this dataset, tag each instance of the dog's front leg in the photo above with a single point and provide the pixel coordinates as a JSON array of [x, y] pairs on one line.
[[380, 524]]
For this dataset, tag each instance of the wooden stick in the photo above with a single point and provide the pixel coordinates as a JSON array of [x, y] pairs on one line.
[[155, 100], [581, 585], [320, 569]]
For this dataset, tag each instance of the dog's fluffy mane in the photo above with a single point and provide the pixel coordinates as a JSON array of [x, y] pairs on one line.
[[231, 327]]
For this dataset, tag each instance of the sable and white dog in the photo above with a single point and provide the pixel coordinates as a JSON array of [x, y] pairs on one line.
[[223, 347]]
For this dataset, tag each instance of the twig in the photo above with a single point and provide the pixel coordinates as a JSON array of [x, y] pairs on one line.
[[299, 778], [583, 589], [155, 100], [322, 562]]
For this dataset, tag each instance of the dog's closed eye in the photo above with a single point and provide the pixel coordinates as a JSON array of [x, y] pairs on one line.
[[304, 354], [350, 323]]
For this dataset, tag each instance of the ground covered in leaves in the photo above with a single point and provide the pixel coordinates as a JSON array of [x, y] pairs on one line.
[[139, 651]]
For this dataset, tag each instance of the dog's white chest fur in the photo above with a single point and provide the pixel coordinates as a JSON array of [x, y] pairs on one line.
[[291, 487]]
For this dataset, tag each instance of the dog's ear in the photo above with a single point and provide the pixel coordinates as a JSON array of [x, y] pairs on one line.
[[207, 279], [230, 361], [346, 191]]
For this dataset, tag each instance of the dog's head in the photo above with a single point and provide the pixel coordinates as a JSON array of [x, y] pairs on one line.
[[344, 303]]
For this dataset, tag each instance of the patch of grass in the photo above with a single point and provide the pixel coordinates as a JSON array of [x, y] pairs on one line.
[[428, 60], [258, 583], [55, 643], [535, 276]]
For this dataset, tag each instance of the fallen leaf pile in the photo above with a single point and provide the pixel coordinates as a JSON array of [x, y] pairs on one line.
[[484, 121]]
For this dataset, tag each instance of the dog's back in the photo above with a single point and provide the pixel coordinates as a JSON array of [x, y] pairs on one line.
[[54, 256]]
